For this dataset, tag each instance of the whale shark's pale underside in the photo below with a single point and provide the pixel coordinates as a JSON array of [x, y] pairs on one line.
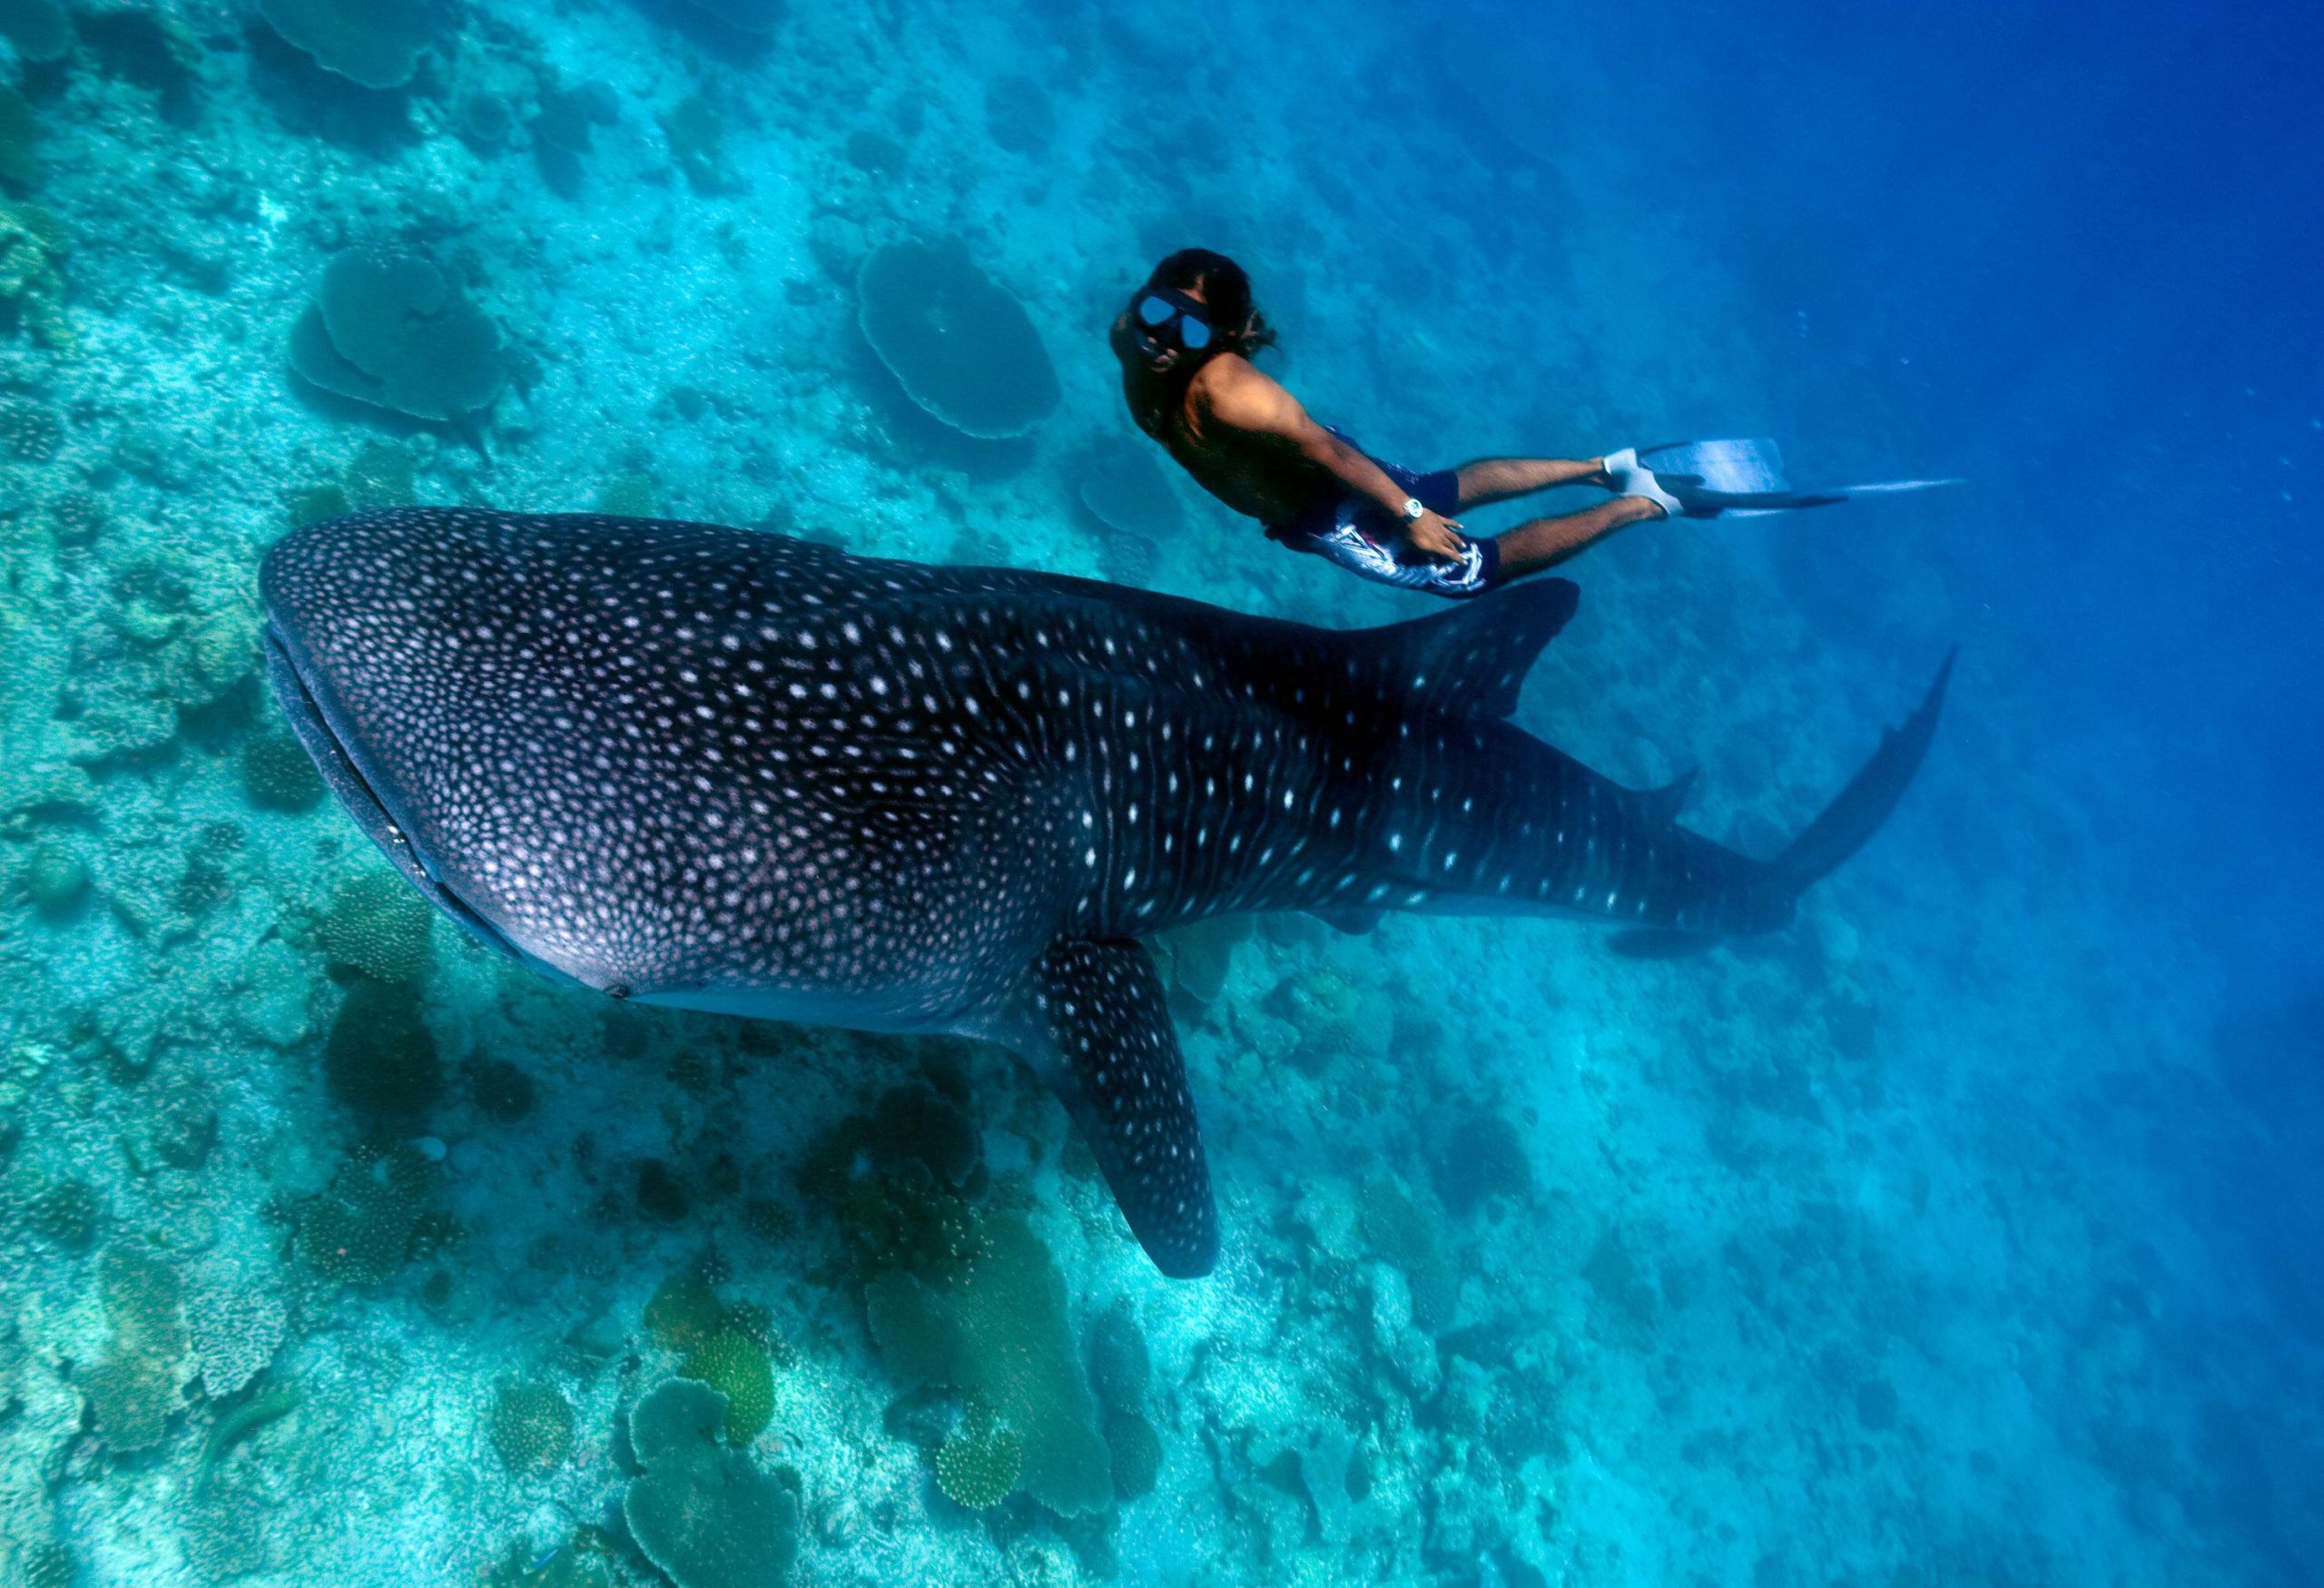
[[725, 770]]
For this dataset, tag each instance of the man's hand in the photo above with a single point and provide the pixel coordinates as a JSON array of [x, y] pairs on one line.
[[1438, 539]]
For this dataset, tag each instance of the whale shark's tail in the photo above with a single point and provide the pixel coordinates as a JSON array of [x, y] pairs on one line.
[[1841, 829], [1857, 811]]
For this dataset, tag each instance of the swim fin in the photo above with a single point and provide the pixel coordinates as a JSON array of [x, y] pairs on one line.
[[1739, 479]]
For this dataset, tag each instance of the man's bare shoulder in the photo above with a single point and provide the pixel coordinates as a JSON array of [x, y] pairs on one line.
[[1230, 390]]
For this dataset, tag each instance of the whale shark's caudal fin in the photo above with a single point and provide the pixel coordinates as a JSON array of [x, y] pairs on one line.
[[1092, 1017], [1857, 811], [1837, 832]]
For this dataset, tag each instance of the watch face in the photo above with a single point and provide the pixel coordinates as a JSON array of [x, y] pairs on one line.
[[1412, 507]]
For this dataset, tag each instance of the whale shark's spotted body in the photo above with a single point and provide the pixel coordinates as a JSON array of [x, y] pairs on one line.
[[704, 766]]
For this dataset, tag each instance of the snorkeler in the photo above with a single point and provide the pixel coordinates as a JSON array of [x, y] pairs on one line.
[[1184, 342]]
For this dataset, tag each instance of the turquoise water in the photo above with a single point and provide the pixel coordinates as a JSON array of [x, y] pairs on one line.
[[1967, 1231]]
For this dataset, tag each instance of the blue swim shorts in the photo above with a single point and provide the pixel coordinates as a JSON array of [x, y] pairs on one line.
[[1357, 534]]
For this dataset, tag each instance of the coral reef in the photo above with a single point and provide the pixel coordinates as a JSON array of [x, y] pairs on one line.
[[376, 924], [999, 1330], [374, 43], [278, 775], [701, 1512], [530, 1423], [389, 329], [978, 1468], [960, 347], [366, 1224], [32, 246], [738, 1366]]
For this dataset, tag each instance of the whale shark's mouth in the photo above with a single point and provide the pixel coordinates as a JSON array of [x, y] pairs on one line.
[[310, 720]]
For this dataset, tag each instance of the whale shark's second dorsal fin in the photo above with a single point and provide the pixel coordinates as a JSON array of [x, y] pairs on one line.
[[1473, 660], [1093, 1019]]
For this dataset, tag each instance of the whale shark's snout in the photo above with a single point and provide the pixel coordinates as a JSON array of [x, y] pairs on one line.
[[346, 779]]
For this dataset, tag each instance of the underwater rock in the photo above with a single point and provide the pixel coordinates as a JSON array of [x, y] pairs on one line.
[[373, 43], [960, 347], [388, 327], [701, 1512], [999, 1330], [376, 924], [39, 29], [531, 1426]]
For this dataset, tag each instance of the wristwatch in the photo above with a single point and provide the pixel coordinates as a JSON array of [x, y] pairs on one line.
[[1412, 509]]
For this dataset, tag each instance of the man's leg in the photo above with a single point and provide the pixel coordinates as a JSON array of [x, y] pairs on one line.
[[1496, 480], [1545, 542]]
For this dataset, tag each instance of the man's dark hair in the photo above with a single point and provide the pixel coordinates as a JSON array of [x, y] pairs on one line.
[[1226, 291]]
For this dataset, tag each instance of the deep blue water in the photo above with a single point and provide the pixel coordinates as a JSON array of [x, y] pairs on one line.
[[1965, 1231]]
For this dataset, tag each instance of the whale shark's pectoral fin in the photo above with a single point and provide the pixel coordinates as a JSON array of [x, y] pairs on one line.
[[1093, 1019]]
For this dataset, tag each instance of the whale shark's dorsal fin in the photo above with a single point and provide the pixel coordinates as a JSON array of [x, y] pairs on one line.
[[1093, 1019], [1473, 660]]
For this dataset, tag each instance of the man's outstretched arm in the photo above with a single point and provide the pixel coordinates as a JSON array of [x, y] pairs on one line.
[[1241, 398]]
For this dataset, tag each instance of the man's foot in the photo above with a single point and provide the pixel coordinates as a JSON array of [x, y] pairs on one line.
[[1625, 478]]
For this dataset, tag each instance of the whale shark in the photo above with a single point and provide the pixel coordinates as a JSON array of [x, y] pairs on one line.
[[723, 769]]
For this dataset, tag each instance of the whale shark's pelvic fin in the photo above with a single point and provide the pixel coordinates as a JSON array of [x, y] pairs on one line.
[[1354, 922], [1092, 1017], [1473, 660]]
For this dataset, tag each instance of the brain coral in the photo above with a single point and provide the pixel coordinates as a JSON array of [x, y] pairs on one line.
[[531, 1426], [962, 347], [389, 329], [701, 1512], [375, 43], [376, 924], [1000, 1331]]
